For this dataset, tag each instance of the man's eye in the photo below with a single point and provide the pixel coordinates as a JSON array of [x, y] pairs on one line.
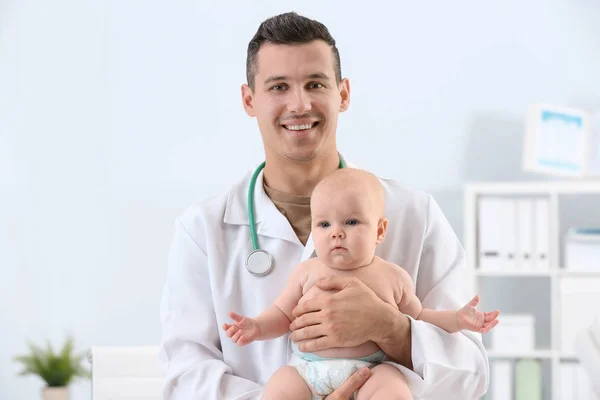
[[315, 85], [278, 88]]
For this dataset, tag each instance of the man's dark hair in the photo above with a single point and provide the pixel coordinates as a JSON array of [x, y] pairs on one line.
[[289, 28]]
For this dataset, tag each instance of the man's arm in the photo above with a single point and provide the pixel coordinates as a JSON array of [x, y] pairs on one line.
[[190, 349], [395, 337], [443, 364]]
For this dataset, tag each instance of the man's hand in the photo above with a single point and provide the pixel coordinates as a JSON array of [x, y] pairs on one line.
[[348, 318], [351, 385]]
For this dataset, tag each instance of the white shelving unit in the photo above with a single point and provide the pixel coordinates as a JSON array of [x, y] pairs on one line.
[[554, 191]]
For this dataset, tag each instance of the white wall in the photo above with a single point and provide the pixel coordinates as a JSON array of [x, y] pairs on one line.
[[117, 115]]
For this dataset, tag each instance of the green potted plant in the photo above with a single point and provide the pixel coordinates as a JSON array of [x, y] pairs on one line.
[[58, 370]]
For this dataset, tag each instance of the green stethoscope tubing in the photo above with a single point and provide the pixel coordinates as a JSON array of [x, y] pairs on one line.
[[251, 215]]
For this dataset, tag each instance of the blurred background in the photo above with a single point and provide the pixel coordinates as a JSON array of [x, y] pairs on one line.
[[115, 116]]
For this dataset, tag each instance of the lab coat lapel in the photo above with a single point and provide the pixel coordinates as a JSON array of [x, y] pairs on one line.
[[309, 249], [269, 221], [274, 224]]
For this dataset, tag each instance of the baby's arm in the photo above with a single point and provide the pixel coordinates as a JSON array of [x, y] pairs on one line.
[[451, 321], [274, 321], [411, 305]]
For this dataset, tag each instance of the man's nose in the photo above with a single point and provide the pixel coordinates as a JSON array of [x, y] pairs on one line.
[[299, 101]]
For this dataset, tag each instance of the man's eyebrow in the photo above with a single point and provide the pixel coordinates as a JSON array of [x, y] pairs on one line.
[[275, 78], [318, 75]]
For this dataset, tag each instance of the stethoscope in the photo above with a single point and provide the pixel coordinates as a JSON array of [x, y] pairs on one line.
[[260, 262]]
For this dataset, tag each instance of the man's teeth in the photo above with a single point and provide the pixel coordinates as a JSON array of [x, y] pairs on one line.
[[299, 127]]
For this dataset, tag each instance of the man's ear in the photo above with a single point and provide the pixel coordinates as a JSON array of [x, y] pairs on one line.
[[344, 94], [381, 230], [248, 100]]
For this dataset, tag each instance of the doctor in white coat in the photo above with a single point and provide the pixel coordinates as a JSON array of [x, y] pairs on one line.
[[295, 91]]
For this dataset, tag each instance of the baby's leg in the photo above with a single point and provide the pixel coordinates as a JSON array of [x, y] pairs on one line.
[[385, 383], [286, 383]]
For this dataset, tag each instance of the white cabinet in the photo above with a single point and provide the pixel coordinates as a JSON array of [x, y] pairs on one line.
[[524, 274]]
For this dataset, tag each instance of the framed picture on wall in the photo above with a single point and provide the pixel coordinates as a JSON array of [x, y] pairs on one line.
[[561, 141]]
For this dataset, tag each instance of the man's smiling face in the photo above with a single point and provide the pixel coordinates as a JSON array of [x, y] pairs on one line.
[[296, 99]]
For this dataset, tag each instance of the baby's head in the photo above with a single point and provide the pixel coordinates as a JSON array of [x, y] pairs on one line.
[[347, 211]]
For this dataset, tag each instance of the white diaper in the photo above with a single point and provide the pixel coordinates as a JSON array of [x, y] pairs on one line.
[[324, 375]]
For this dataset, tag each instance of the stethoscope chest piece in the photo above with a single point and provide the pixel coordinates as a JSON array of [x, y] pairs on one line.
[[259, 262]]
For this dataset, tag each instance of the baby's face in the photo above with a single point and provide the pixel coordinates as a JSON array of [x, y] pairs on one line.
[[344, 228]]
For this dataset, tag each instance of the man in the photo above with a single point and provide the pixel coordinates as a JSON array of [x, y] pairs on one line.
[[295, 91]]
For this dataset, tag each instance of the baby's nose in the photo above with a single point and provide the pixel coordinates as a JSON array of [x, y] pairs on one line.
[[337, 233]]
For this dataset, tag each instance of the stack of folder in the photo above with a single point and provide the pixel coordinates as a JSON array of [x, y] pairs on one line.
[[514, 233]]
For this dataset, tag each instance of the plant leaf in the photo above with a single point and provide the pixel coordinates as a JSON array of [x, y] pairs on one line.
[[56, 369]]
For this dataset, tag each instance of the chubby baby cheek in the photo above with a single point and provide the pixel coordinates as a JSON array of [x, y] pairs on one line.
[[320, 244]]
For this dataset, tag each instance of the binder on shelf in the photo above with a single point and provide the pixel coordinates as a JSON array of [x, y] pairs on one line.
[[497, 234], [509, 233], [566, 380], [502, 380], [525, 234], [542, 234], [490, 236], [528, 380]]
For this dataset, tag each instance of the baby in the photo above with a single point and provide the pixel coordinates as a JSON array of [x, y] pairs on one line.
[[347, 210]]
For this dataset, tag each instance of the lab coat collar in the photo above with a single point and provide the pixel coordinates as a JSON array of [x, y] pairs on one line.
[[267, 218], [269, 221]]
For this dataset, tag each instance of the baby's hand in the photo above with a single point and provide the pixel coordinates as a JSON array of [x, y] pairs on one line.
[[243, 331], [471, 319]]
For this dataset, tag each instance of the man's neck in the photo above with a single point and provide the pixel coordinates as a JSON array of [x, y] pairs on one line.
[[298, 178]]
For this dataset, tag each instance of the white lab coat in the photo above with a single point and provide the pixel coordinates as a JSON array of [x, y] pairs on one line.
[[207, 278]]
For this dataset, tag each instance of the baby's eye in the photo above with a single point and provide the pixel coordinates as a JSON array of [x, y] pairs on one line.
[[352, 222], [324, 224]]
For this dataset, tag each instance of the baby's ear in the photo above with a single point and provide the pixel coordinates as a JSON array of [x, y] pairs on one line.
[[381, 230]]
